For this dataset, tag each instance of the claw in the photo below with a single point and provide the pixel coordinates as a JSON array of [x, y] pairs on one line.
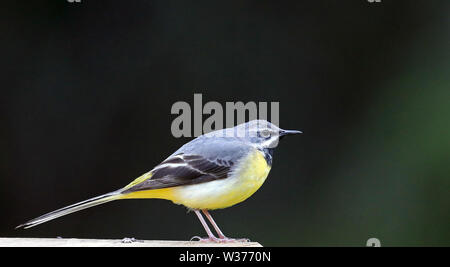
[[195, 237], [219, 240], [234, 240], [206, 239]]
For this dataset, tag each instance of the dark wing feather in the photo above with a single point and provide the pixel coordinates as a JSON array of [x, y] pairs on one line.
[[184, 169]]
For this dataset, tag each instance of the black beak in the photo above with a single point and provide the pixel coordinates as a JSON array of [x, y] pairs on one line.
[[289, 132]]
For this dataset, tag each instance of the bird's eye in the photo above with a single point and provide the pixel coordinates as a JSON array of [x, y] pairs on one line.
[[265, 133]]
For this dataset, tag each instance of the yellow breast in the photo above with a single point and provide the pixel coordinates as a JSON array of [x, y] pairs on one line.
[[245, 180]]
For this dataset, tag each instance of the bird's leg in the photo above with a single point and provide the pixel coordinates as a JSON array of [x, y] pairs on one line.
[[211, 236], [211, 220], [222, 237]]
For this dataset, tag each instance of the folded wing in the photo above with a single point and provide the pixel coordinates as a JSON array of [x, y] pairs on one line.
[[183, 169]]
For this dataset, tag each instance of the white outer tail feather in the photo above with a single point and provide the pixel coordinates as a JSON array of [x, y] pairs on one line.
[[71, 209]]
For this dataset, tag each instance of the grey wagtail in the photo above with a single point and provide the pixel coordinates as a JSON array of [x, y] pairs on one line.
[[213, 171]]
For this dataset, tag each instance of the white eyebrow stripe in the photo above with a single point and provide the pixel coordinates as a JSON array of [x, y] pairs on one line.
[[267, 143]]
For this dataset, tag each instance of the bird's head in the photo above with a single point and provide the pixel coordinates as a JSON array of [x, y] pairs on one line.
[[260, 133], [265, 135]]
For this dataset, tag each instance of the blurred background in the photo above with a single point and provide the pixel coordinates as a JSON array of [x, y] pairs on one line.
[[87, 89]]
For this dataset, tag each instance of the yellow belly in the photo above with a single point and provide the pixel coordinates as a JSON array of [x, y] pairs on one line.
[[248, 177], [245, 180]]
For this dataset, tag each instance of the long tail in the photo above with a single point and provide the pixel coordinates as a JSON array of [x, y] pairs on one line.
[[72, 208]]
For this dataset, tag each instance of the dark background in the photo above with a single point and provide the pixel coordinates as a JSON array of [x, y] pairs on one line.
[[87, 88]]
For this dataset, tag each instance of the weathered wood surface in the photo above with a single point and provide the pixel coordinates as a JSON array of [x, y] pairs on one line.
[[74, 242]]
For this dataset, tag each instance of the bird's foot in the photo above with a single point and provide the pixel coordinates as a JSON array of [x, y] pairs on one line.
[[219, 240], [205, 239], [233, 240]]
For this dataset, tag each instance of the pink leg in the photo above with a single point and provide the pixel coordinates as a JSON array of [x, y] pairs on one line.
[[211, 220], [222, 237], [211, 236]]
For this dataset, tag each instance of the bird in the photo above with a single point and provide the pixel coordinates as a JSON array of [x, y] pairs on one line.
[[215, 170]]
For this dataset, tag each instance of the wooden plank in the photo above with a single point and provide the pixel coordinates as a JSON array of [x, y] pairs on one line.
[[74, 242]]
